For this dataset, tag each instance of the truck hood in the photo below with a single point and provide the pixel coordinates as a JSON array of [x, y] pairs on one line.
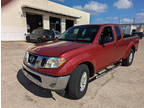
[[55, 48]]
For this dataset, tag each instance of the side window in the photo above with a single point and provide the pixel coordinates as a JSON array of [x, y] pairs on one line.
[[106, 35], [49, 32], [118, 33]]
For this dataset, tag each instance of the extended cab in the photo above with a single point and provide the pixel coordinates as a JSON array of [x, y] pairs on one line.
[[77, 55]]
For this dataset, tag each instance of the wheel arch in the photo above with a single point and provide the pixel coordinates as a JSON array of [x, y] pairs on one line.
[[81, 59], [133, 48], [90, 66], [130, 46]]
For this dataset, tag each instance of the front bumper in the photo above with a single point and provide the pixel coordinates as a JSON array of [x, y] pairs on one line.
[[45, 81]]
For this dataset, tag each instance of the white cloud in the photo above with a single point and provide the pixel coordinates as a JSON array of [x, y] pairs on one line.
[[99, 19], [142, 9], [78, 7], [61, 0], [123, 4], [92, 7], [106, 22], [126, 20], [140, 15], [112, 18], [115, 18], [108, 18]]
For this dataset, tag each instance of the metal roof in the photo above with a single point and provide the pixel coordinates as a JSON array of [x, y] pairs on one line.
[[47, 11]]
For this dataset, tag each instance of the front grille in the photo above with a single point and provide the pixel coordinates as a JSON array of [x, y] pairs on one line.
[[32, 59], [44, 60], [36, 61]]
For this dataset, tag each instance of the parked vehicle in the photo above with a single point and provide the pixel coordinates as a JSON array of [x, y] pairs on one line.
[[42, 35], [127, 28], [77, 55], [27, 36], [56, 33], [139, 34]]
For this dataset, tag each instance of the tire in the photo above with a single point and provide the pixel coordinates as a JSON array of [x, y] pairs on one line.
[[129, 60], [39, 40], [77, 87], [27, 38]]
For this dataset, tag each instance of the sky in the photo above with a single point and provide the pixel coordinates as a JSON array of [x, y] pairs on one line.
[[109, 11]]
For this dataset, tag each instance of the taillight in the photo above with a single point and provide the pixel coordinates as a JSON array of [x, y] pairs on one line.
[[44, 36]]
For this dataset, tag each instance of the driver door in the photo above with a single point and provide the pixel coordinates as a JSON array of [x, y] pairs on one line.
[[105, 52]]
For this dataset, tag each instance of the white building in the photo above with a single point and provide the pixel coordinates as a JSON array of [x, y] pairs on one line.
[[22, 16]]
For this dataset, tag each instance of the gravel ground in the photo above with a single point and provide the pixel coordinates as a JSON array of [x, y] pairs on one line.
[[122, 87]]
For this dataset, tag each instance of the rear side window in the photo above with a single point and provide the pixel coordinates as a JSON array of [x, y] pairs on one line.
[[118, 33]]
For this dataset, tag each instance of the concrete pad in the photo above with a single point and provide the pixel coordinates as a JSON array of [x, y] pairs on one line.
[[122, 87]]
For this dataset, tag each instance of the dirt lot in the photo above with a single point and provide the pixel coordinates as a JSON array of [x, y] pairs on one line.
[[123, 87]]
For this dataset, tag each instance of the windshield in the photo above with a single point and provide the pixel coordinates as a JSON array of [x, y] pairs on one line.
[[37, 31], [80, 33]]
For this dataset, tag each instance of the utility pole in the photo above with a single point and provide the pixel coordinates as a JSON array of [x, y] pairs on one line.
[[133, 20]]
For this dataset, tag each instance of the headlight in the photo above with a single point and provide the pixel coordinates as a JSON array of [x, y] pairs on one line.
[[54, 62], [26, 56]]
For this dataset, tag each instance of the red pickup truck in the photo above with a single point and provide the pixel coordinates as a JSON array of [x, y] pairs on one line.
[[77, 55]]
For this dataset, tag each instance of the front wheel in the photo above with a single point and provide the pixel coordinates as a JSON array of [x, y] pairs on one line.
[[129, 60], [27, 38], [78, 82]]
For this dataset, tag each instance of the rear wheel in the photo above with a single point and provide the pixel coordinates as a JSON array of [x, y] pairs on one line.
[[78, 82], [129, 60]]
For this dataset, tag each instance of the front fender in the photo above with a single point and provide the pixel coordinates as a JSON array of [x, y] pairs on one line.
[[75, 61]]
